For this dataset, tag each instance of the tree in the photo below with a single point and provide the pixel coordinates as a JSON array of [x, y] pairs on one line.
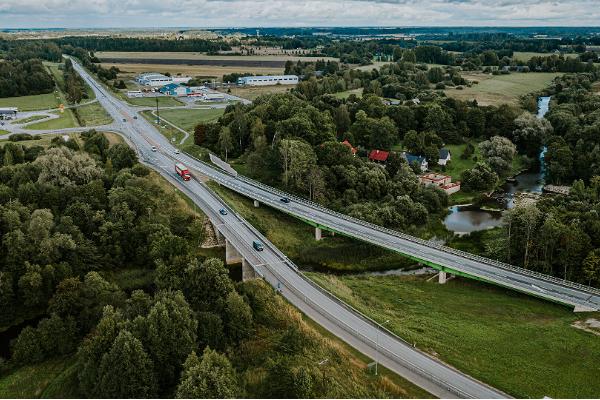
[[62, 167], [225, 141], [479, 178], [170, 334], [341, 117], [212, 377], [414, 142], [499, 153], [530, 133], [238, 317], [207, 285], [297, 157], [435, 75], [121, 156], [126, 371], [591, 267]]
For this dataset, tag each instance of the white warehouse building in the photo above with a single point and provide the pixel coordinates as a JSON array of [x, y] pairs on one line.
[[268, 80], [155, 79]]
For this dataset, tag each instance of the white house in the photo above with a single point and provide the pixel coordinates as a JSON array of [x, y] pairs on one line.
[[444, 157]]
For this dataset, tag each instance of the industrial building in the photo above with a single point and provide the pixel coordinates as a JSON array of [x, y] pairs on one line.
[[268, 80], [8, 112], [155, 79]]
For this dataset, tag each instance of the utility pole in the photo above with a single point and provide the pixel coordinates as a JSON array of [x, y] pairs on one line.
[[380, 326], [157, 114]]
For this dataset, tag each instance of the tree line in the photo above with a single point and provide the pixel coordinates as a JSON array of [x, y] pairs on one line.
[[24, 78]]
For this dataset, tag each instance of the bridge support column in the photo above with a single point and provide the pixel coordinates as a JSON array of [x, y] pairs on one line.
[[232, 256], [256, 203], [247, 271], [318, 234], [442, 277]]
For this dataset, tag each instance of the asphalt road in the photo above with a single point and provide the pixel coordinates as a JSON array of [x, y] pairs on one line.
[[340, 319]]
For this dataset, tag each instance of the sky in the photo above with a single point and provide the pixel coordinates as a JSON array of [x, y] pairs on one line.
[[295, 13]]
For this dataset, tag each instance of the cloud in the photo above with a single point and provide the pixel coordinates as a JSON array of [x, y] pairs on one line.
[[231, 13]]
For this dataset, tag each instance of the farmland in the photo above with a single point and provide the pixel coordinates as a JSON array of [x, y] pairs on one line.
[[205, 71], [500, 89], [201, 57]]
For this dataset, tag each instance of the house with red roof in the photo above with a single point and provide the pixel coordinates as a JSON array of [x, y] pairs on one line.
[[379, 155], [353, 149]]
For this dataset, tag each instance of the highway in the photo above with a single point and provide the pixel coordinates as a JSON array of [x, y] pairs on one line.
[[356, 329]]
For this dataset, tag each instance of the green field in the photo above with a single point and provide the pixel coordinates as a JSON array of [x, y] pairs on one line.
[[29, 119], [347, 93], [32, 103], [527, 55], [519, 344], [55, 378], [296, 239], [501, 89], [187, 118], [93, 114], [65, 120], [3, 132]]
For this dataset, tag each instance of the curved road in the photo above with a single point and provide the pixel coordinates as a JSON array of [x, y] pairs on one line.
[[356, 329]]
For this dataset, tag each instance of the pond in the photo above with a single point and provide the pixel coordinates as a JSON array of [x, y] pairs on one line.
[[466, 219]]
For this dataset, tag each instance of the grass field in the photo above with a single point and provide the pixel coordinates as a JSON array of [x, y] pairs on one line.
[[527, 55], [50, 379], [516, 343], [500, 89], [65, 120], [188, 118], [3, 132], [216, 71], [347, 93], [252, 92], [93, 114], [32, 103], [296, 239]]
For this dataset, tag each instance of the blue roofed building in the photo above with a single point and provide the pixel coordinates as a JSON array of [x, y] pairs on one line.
[[173, 89], [419, 160]]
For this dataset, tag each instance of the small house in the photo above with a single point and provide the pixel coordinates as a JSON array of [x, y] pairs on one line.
[[444, 156], [444, 182], [379, 156], [419, 160], [353, 149]]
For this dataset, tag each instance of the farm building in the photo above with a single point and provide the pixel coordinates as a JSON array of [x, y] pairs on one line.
[[268, 80], [8, 112]]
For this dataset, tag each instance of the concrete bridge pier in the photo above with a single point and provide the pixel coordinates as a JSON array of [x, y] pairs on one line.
[[247, 271], [256, 203], [232, 256], [318, 233], [218, 234], [444, 277]]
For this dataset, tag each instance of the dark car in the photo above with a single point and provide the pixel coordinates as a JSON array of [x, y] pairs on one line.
[[257, 246], [124, 120], [284, 200], [223, 211], [135, 117]]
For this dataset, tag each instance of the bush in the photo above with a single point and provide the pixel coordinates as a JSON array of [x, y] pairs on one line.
[[19, 137]]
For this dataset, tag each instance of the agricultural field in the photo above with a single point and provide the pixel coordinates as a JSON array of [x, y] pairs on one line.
[[188, 118], [130, 69], [519, 344], [500, 89], [252, 92], [166, 55]]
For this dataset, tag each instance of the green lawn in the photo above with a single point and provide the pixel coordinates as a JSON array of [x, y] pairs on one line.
[[187, 119], [527, 55], [347, 93], [31, 103], [29, 119], [296, 239], [168, 131], [50, 379], [457, 165], [3, 132], [93, 114], [519, 344], [65, 120]]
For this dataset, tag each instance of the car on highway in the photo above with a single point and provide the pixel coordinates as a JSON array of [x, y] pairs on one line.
[[135, 117], [153, 148], [257, 246], [284, 200], [223, 211], [176, 151]]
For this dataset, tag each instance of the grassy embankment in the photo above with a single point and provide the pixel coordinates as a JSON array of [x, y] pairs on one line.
[[501, 89], [519, 344], [252, 92], [296, 239], [32, 103]]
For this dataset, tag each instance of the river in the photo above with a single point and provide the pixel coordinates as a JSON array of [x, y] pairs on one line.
[[468, 218]]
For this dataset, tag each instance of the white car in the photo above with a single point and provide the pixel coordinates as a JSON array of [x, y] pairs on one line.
[[153, 148], [176, 151]]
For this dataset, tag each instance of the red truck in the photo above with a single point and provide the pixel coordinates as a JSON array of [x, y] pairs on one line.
[[182, 171]]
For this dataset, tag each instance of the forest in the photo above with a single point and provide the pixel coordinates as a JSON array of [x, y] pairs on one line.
[[24, 78]]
